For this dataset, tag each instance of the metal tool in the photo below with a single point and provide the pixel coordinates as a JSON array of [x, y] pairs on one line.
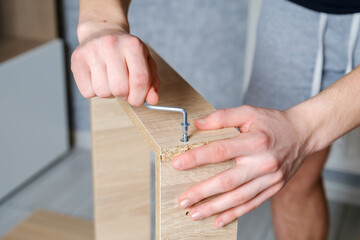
[[184, 125]]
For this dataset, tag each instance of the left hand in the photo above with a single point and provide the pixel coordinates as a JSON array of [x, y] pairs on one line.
[[268, 152]]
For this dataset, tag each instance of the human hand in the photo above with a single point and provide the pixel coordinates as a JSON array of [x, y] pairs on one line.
[[109, 62], [271, 147]]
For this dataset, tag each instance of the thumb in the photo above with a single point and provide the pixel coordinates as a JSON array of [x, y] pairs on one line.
[[226, 117], [152, 96]]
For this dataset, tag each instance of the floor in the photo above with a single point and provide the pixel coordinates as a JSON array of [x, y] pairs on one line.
[[66, 188]]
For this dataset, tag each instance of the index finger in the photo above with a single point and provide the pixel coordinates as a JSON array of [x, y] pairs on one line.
[[139, 75], [215, 152]]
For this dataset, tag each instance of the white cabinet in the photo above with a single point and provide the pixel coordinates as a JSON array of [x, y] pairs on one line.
[[33, 100]]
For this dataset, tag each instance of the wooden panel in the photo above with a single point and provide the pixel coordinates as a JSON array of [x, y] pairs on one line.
[[121, 173], [30, 19], [173, 222], [44, 225], [162, 131]]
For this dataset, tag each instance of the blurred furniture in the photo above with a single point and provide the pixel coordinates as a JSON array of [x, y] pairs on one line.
[[33, 101]]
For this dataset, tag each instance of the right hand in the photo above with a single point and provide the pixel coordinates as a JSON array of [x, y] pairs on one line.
[[115, 64]]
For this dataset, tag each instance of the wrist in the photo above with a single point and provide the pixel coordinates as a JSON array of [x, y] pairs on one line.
[[90, 29], [305, 129]]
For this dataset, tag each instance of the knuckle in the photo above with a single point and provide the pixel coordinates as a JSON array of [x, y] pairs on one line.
[[141, 80], [87, 93], [251, 206], [241, 198], [278, 177], [135, 43], [210, 209], [248, 109], [230, 216], [110, 40], [90, 46], [220, 151], [120, 92], [220, 115], [75, 57], [196, 194], [272, 164], [103, 93], [135, 103], [190, 159], [262, 142], [227, 183]]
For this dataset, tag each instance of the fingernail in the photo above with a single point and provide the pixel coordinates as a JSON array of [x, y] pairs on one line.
[[201, 121], [178, 165], [196, 216], [185, 203], [220, 225]]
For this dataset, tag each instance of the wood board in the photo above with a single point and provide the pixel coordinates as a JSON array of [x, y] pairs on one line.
[[45, 225], [121, 174], [162, 132]]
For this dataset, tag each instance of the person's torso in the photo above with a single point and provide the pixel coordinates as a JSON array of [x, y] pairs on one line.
[[331, 6]]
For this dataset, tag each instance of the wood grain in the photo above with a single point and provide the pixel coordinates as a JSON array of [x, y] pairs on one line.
[[25, 25], [162, 132], [44, 225], [30, 19], [121, 174], [173, 221]]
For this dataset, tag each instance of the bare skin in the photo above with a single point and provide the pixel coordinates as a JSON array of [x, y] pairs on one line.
[[272, 147], [110, 62], [300, 208], [271, 151]]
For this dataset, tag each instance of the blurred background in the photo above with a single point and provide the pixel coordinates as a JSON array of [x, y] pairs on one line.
[[44, 121]]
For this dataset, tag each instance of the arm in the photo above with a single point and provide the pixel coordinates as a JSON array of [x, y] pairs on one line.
[[110, 62], [102, 15], [270, 150], [333, 112]]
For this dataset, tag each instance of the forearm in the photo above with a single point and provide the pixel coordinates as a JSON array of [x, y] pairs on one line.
[[332, 113], [98, 15]]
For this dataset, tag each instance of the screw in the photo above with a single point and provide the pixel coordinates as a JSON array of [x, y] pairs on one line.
[[184, 125]]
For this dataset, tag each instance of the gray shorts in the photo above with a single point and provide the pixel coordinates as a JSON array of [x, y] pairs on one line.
[[286, 52]]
